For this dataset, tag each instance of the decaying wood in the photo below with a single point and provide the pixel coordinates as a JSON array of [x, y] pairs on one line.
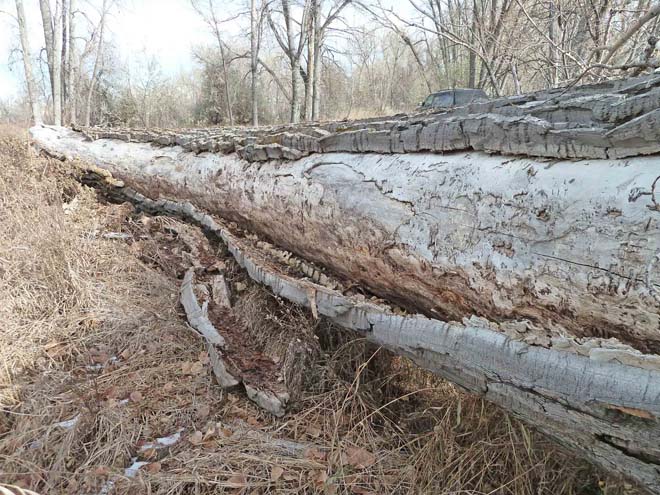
[[536, 278], [273, 401]]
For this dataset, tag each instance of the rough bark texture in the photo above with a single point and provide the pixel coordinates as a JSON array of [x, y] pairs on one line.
[[33, 97], [523, 267]]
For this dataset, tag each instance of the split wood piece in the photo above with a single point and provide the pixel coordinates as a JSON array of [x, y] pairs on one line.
[[242, 359]]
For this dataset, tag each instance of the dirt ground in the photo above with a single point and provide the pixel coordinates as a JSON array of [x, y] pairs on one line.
[[98, 363]]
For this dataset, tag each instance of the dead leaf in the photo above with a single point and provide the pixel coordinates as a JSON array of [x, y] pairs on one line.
[[112, 392], [168, 387], [203, 411], [314, 454], [196, 438], [313, 431], [276, 473], [240, 287], [237, 481], [358, 490], [204, 357], [135, 396], [196, 368], [359, 457], [153, 467], [55, 349], [252, 421], [291, 476], [319, 477], [125, 354], [150, 453], [102, 471]]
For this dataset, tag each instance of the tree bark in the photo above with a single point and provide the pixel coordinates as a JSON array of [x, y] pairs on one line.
[[71, 65], [535, 284], [57, 64], [97, 64], [33, 96], [255, 28], [52, 27]]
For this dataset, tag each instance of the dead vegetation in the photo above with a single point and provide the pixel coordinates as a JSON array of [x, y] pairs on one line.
[[98, 364]]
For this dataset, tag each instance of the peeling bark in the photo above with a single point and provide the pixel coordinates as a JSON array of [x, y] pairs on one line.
[[536, 281]]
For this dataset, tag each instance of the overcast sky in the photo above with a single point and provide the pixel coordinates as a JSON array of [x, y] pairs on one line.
[[166, 29]]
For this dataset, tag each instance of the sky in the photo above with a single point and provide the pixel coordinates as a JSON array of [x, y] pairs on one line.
[[165, 29]]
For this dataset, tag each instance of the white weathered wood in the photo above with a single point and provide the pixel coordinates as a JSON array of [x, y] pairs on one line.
[[566, 245]]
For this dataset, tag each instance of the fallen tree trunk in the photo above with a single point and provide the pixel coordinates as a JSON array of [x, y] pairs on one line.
[[522, 267]]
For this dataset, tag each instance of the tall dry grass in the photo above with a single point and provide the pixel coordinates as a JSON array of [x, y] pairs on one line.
[[96, 361]]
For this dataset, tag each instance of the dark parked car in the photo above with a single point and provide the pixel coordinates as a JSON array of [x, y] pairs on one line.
[[452, 98]]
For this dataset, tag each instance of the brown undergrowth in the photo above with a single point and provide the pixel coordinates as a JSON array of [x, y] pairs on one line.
[[97, 363]]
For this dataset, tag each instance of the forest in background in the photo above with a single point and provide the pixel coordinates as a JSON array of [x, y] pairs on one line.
[[301, 60]]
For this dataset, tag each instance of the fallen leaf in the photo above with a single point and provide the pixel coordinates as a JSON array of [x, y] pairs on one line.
[[291, 476], [226, 432], [196, 368], [252, 421], [135, 396], [237, 481], [276, 473], [153, 467], [102, 471], [150, 453], [313, 432], [359, 457], [358, 490], [126, 353], [240, 287], [168, 387], [314, 454], [204, 357], [196, 438], [319, 477], [203, 411]]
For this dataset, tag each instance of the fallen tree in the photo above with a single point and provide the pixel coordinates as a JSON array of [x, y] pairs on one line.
[[536, 280]]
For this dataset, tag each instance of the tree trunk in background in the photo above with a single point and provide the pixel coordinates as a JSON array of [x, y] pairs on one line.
[[65, 17], [97, 64], [71, 65], [318, 65], [294, 60], [57, 64], [225, 75], [52, 27], [254, 60], [472, 57], [47, 23], [552, 51], [311, 62], [33, 94]]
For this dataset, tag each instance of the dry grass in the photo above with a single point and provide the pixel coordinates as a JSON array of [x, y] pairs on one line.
[[91, 330]]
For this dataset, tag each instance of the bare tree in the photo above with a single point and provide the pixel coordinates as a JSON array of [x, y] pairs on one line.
[[255, 42], [292, 43], [52, 27], [98, 60], [27, 64], [209, 15]]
